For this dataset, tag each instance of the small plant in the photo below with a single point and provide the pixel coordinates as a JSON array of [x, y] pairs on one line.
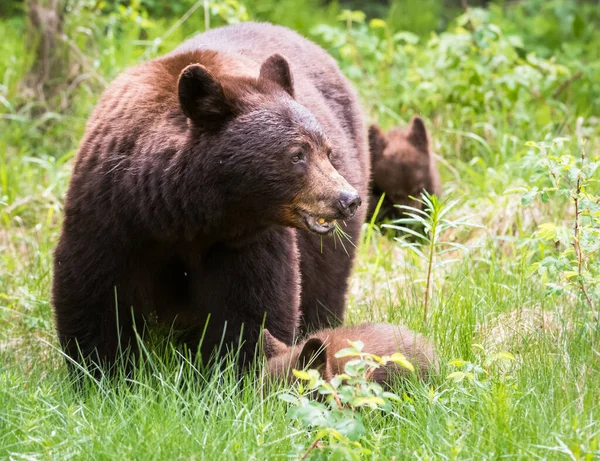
[[336, 420], [429, 226], [477, 381], [574, 265]]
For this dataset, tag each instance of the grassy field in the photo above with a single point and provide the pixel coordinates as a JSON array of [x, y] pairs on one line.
[[511, 96]]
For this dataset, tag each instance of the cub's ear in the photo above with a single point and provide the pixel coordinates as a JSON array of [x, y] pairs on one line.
[[277, 70], [272, 346], [377, 143], [314, 356], [417, 134], [201, 96]]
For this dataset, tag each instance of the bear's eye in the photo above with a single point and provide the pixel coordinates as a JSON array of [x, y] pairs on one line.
[[298, 157], [329, 153]]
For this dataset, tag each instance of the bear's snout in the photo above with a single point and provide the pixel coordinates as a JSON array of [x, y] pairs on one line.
[[348, 203]]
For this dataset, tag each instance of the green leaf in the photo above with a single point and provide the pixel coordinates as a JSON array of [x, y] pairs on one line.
[[376, 359], [401, 360], [347, 352], [356, 368], [288, 398], [358, 345], [372, 402], [504, 356], [300, 374], [406, 37], [335, 434], [547, 231], [391, 396], [336, 381], [377, 23], [351, 426], [527, 198], [457, 376], [570, 274], [352, 16], [322, 433], [343, 453]]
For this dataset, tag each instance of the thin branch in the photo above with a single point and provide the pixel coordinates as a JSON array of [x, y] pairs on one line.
[[564, 85], [337, 400], [577, 232], [370, 373], [313, 445]]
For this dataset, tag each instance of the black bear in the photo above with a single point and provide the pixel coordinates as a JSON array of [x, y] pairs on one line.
[[402, 166], [203, 189]]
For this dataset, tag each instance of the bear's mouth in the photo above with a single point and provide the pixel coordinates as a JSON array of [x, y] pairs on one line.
[[318, 224]]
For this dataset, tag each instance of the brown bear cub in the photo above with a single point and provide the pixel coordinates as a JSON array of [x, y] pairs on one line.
[[318, 352], [200, 194], [401, 166]]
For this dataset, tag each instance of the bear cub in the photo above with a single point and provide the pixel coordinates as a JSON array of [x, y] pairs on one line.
[[402, 166], [319, 349]]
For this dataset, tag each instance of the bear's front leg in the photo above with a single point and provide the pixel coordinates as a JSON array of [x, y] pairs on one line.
[[237, 288], [326, 264]]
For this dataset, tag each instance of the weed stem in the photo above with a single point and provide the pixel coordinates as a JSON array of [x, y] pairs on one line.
[[577, 236]]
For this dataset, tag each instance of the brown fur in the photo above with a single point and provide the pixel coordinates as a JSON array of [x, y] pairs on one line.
[[318, 351], [402, 166], [187, 202]]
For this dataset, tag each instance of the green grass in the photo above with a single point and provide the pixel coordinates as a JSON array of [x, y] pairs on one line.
[[543, 405]]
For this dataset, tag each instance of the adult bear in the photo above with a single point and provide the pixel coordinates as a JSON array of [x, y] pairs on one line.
[[199, 192]]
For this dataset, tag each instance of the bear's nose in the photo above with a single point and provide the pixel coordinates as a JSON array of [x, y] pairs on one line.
[[348, 203]]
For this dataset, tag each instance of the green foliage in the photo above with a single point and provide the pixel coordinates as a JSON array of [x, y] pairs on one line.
[[335, 421], [480, 378], [486, 82], [546, 25], [429, 226], [417, 16], [474, 67], [336, 425], [566, 174]]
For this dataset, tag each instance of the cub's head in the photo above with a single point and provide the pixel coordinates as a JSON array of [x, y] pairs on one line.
[[282, 359], [262, 147], [402, 165]]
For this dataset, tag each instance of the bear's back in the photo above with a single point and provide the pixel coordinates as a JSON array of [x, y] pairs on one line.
[[381, 339], [258, 41]]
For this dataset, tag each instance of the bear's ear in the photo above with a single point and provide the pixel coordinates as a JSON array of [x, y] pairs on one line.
[[201, 96], [314, 356], [377, 143], [277, 70], [272, 346], [417, 134]]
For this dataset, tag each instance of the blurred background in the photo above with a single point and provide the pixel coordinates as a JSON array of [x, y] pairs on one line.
[[406, 56]]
